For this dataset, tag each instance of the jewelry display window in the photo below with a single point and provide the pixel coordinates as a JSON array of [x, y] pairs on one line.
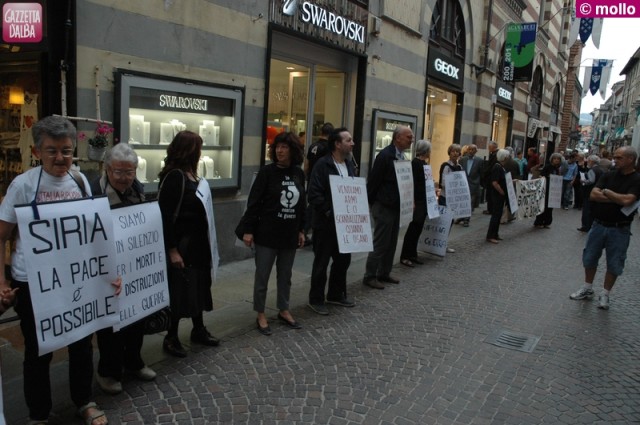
[[384, 123], [153, 110]]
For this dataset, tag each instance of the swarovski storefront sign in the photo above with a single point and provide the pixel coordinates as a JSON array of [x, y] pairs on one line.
[[504, 93], [445, 68]]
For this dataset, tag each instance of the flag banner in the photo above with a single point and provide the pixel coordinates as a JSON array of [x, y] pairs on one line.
[[351, 213], [404, 178], [530, 194], [432, 198], [520, 50], [435, 233], [587, 80], [586, 27], [606, 74]]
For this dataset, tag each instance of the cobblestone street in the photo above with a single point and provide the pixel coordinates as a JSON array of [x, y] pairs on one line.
[[414, 353]]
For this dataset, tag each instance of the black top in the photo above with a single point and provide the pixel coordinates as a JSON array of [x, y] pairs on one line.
[[419, 188], [320, 190], [382, 185], [275, 208], [619, 183], [498, 175], [317, 150]]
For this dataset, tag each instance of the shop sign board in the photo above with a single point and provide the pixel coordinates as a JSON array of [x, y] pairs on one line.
[[22, 22], [504, 93], [446, 68]]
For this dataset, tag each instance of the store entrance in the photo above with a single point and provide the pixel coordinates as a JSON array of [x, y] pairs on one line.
[[440, 122], [290, 86]]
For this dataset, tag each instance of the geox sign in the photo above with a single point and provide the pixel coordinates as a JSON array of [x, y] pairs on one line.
[[445, 68], [325, 19]]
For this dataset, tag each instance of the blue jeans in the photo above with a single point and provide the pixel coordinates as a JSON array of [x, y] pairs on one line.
[[567, 190], [615, 240]]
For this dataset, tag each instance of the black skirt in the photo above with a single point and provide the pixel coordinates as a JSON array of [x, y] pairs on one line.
[[189, 291]]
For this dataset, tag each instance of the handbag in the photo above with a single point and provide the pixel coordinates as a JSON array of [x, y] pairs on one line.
[[160, 321]]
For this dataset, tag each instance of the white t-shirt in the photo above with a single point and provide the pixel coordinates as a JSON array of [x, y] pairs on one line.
[[22, 191]]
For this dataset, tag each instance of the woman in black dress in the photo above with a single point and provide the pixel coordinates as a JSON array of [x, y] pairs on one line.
[[544, 219], [186, 239]]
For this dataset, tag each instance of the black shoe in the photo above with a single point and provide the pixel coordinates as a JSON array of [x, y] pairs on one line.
[[319, 308], [344, 302], [292, 325], [202, 336], [372, 282], [388, 279], [264, 331], [582, 229], [173, 346]]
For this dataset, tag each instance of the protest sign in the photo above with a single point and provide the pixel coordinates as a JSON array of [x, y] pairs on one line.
[[530, 195], [204, 194], [72, 244], [435, 233], [351, 214], [432, 198], [555, 191], [457, 194], [511, 193], [404, 177], [141, 261]]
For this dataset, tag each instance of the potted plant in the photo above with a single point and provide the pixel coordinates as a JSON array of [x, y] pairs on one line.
[[99, 142]]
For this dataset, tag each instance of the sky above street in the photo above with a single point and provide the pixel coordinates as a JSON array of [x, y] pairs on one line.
[[619, 41]]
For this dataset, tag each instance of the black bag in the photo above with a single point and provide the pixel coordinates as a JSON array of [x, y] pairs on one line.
[[160, 321]]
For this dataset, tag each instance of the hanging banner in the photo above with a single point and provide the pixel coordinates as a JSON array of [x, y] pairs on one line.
[[351, 213], [203, 192], [72, 244], [404, 177], [141, 261], [432, 198], [511, 193], [519, 52], [555, 191], [435, 233], [457, 194], [530, 195]]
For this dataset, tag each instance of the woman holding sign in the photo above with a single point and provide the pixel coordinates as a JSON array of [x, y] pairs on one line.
[[498, 193], [273, 225], [409, 254], [544, 219], [186, 239], [120, 350], [454, 151]]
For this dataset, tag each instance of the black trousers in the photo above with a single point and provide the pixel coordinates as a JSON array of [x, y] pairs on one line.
[[120, 350], [37, 384], [325, 248], [496, 214], [410, 242]]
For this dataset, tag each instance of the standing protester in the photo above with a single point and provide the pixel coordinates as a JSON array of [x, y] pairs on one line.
[[384, 198], [545, 218], [120, 350], [522, 164], [570, 173], [54, 143], [186, 239], [499, 194], [486, 174], [473, 167], [325, 243], [578, 199], [593, 174], [273, 225], [317, 150], [533, 163], [449, 167], [409, 253], [611, 228]]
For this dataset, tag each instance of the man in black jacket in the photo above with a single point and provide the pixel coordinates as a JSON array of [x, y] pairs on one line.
[[325, 239], [384, 198]]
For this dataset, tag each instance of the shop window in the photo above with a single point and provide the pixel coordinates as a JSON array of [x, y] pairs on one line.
[[447, 27], [499, 126], [535, 96], [555, 106], [440, 126]]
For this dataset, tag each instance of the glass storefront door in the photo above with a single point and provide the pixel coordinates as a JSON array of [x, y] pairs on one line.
[[439, 123], [500, 126]]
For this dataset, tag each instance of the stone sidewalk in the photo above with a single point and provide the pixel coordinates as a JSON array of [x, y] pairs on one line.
[[421, 352]]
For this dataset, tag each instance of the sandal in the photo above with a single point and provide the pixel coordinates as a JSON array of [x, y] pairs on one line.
[[89, 418], [406, 262]]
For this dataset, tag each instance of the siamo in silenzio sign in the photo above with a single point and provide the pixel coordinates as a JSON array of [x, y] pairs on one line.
[[325, 19]]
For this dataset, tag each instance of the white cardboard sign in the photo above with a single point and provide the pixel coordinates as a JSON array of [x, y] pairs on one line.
[[351, 213]]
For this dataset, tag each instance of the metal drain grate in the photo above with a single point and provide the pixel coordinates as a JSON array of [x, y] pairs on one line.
[[513, 340]]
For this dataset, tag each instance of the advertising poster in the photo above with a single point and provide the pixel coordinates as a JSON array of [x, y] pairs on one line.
[[351, 214]]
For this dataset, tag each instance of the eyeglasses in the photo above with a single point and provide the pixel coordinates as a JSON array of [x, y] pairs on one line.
[[123, 173], [53, 153]]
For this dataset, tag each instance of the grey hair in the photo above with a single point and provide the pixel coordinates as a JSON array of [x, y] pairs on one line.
[[493, 143], [121, 152], [510, 149], [594, 158], [396, 131], [502, 155], [423, 147], [55, 127], [556, 155]]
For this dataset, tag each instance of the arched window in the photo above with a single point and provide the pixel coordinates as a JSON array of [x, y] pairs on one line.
[[447, 27], [535, 96], [555, 106]]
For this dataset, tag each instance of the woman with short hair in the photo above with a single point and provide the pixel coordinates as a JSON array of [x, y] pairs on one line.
[[499, 193]]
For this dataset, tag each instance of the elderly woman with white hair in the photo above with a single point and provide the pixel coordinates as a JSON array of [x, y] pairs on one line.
[[120, 350], [409, 254], [498, 193], [545, 218]]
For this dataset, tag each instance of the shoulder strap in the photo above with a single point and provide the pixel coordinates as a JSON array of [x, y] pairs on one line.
[[177, 211], [79, 181]]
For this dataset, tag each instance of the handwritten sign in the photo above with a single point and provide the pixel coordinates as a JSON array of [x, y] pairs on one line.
[[141, 261], [457, 194], [351, 213], [71, 292], [555, 191], [435, 233], [204, 194], [432, 198], [530, 195], [511, 193], [404, 177]]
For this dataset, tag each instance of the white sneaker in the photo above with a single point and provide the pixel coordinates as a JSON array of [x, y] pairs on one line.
[[581, 294], [604, 302], [145, 374], [109, 385]]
